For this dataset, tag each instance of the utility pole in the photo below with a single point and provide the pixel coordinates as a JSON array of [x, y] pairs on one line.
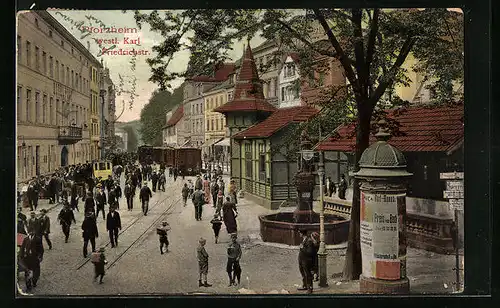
[[322, 247]]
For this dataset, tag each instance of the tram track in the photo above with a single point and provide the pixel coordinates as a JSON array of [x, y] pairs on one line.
[[135, 220]]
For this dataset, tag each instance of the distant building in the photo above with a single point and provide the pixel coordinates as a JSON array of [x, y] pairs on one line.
[[109, 109], [194, 103], [173, 131], [124, 135], [289, 84]]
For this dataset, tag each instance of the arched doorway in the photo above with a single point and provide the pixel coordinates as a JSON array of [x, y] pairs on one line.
[[64, 157]]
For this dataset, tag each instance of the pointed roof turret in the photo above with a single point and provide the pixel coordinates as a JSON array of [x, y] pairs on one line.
[[248, 92]]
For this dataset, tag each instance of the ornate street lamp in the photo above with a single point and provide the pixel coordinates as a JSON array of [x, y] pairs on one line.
[[322, 247]]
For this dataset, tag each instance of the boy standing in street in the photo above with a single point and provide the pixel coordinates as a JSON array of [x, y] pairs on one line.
[[99, 260], [216, 225], [203, 263], [162, 232]]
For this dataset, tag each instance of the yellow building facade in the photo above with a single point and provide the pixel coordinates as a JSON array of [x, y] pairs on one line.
[[215, 123]]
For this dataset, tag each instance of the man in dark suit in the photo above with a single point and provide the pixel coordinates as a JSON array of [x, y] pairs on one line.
[[144, 196], [306, 261], [100, 199], [29, 261], [113, 225], [90, 232], [45, 227], [33, 194]]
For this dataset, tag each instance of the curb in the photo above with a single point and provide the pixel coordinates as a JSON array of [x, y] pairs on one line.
[[284, 246]]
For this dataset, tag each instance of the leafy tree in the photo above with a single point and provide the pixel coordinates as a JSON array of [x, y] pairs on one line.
[[371, 46], [153, 114], [132, 142]]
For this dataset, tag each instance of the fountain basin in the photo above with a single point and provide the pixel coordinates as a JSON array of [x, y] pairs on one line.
[[282, 228]]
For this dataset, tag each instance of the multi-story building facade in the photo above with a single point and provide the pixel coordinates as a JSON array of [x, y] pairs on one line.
[[264, 54], [53, 96], [107, 109], [95, 111], [194, 103], [215, 123], [289, 95], [173, 131]]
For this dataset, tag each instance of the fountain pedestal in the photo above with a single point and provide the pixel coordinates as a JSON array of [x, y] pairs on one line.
[[305, 185]]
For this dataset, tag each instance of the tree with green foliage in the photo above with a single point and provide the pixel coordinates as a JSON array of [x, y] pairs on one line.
[[370, 44], [153, 114], [132, 142]]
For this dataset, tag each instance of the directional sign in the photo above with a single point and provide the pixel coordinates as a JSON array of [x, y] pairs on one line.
[[455, 185], [451, 176], [453, 194], [457, 204]]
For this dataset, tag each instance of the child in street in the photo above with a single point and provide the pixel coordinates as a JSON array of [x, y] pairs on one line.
[[216, 225], [162, 232], [203, 263], [99, 260], [185, 193]]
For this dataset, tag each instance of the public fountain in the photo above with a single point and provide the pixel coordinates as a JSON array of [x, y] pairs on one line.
[[284, 227]]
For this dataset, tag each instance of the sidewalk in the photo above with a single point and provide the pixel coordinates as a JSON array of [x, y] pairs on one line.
[[429, 273]]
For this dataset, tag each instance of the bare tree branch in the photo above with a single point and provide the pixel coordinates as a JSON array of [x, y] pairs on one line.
[[306, 42]]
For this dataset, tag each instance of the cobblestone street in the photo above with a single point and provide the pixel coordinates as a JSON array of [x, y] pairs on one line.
[[137, 267]]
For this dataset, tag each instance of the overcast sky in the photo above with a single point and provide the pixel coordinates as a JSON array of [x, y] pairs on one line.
[[119, 64]]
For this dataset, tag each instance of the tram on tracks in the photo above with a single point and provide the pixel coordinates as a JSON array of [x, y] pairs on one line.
[[188, 160]]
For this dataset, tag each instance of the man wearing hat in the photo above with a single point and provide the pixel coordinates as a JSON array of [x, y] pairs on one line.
[[144, 195], [113, 225], [33, 193], [129, 195], [100, 199], [162, 232], [45, 226], [65, 218], [233, 260], [306, 262], [90, 232]]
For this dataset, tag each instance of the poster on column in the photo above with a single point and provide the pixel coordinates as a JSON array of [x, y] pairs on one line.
[[379, 235]]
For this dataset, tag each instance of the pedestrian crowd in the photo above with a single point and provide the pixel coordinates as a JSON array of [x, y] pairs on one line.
[[71, 184], [67, 186]]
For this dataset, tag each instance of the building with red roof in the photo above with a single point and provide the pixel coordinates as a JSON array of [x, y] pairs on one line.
[[431, 138], [172, 131]]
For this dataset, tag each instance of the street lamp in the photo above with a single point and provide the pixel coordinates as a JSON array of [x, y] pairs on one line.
[[322, 247], [307, 155]]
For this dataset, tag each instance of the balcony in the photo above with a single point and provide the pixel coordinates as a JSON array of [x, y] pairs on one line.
[[69, 135]]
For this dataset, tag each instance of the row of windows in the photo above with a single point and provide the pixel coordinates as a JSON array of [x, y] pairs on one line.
[[44, 110], [289, 93], [215, 124], [44, 64], [31, 161]]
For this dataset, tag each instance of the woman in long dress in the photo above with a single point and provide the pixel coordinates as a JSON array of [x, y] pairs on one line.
[[229, 214], [206, 189]]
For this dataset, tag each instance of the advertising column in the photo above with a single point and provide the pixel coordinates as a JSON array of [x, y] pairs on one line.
[[382, 235]]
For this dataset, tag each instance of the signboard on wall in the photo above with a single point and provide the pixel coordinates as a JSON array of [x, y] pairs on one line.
[[379, 235]]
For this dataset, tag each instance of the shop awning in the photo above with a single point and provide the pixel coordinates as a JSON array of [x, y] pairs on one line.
[[210, 142], [224, 142]]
